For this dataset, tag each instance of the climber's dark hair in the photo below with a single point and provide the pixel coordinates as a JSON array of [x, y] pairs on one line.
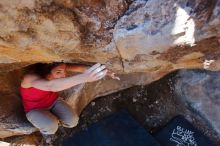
[[41, 69]]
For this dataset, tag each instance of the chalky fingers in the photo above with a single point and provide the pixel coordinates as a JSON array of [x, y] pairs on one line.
[[93, 67], [101, 74], [99, 69]]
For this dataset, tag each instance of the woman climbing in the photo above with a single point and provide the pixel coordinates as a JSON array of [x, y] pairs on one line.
[[39, 94]]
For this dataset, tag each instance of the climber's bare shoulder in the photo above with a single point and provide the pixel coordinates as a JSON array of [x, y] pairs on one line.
[[28, 79]]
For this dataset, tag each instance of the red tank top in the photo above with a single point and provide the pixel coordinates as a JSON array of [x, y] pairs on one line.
[[34, 98]]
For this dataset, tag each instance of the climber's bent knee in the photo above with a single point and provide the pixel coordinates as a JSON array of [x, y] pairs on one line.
[[45, 121]]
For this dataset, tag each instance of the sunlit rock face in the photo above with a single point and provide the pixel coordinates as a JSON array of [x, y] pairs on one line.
[[151, 29], [141, 40], [128, 36]]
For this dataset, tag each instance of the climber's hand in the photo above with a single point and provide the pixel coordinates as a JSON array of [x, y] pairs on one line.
[[95, 73]]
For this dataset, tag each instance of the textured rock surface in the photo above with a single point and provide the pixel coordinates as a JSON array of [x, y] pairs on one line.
[[42, 30], [200, 91], [125, 35], [151, 29], [152, 37], [78, 97], [13, 121]]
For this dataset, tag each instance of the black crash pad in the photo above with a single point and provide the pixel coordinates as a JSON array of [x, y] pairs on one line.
[[179, 132], [119, 129]]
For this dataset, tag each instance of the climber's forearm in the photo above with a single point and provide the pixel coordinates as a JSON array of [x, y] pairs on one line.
[[65, 83], [94, 73]]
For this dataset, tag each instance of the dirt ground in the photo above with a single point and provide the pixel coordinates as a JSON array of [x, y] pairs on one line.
[[152, 106]]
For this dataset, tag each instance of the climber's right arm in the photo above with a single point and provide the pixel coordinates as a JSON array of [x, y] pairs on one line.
[[94, 73]]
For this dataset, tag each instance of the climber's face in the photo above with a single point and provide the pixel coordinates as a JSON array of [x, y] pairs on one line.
[[57, 72]]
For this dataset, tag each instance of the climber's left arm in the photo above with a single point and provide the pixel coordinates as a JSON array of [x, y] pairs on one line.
[[78, 68]]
